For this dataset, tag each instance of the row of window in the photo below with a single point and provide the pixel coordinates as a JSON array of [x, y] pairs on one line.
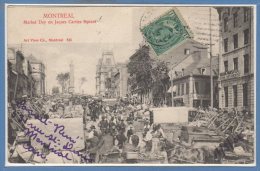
[[235, 95], [197, 90], [235, 19], [235, 40], [180, 89], [236, 64]]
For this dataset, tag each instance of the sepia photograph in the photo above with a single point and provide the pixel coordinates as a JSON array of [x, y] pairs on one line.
[[130, 85]]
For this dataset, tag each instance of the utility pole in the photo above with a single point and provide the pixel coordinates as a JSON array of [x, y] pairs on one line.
[[211, 76], [172, 85]]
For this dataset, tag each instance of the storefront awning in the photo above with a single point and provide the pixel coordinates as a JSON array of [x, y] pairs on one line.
[[173, 88]]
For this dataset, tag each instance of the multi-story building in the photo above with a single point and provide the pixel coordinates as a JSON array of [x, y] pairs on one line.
[[38, 74], [190, 76], [111, 77], [120, 80], [236, 79], [105, 70], [20, 80], [189, 57]]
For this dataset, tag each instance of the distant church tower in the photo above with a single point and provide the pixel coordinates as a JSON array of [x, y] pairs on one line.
[[71, 83]]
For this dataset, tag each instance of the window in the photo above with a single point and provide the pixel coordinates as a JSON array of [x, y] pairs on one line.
[[226, 66], [235, 95], [182, 89], [246, 36], [246, 14], [235, 61], [245, 100], [235, 38], [186, 51], [207, 88], [202, 71], [235, 19], [246, 63], [225, 24], [108, 83], [196, 88], [226, 96], [187, 88], [226, 45]]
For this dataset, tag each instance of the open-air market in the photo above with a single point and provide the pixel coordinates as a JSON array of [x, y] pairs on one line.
[[124, 132], [185, 95]]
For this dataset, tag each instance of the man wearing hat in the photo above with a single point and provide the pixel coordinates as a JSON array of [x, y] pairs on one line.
[[103, 125], [129, 133], [113, 133], [121, 138], [112, 123], [121, 125], [146, 126], [93, 144]]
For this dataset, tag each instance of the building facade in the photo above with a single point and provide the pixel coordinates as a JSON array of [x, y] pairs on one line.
[[105, 71], [121, 78], [236, 79], [191, 90], [190, 78], [20, 79], [38, 74], [111, 77]]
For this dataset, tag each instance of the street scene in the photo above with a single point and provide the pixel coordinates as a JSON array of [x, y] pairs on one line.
[[149, 85]]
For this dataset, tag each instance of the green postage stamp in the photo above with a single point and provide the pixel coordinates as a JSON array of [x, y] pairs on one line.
[[165, 32]]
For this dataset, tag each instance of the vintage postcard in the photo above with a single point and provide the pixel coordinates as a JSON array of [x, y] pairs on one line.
[[130, 85]]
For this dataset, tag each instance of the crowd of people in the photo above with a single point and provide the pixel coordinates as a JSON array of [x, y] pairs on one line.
[[108, 126], [123, 127], [120, 127]]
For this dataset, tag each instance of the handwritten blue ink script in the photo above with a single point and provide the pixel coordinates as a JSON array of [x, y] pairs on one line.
[[61, 137]]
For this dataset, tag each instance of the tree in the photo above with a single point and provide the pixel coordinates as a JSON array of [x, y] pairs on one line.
[[63, 79], [147, 74], [139, 68], [160, 81], [55, 90]]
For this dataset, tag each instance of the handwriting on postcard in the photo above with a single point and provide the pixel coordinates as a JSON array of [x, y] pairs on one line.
[[60, 136]]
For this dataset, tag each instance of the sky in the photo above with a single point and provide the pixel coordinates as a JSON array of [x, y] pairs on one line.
[[116, 29]]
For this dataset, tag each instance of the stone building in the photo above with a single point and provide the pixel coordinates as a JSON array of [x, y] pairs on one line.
[[120, 80], [236, 80], [190, 75], [111, 77], [105, 71], [38, 73], [20, 80]]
